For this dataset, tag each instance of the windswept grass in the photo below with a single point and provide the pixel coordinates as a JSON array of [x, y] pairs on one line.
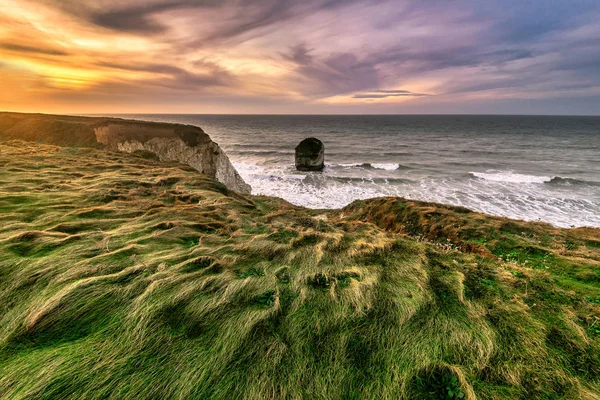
[[125, 278]]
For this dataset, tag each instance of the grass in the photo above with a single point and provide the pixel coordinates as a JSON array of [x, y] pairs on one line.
[[122, 277]]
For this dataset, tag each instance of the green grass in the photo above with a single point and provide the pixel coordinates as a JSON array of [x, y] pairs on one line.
[[127, 278]]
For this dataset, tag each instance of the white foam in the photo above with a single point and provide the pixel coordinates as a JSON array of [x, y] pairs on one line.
[[502, 193], [246, 169], [387, 167], [510, 176], [512, 200], [311, 190]]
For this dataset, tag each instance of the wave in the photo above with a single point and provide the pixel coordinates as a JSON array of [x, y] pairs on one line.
[[560, 181], [254, 146], [262, 153], [386, 167], [346, 179], [510, 177]]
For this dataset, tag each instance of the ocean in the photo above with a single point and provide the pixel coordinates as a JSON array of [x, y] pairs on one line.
[[534, 168]]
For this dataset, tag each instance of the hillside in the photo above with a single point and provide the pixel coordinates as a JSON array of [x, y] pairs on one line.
[[125, 277]]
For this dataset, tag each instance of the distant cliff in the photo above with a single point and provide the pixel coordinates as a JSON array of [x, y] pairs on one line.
[[170, 142]]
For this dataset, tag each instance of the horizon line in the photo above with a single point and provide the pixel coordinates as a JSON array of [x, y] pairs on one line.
[[304, 114]]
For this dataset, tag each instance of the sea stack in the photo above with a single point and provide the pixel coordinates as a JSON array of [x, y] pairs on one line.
[[310, 155]]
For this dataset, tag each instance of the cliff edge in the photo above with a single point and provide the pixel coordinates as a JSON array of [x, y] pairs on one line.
[[185, 144]]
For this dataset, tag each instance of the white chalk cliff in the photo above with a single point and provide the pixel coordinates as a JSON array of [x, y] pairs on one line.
[[170, 142]]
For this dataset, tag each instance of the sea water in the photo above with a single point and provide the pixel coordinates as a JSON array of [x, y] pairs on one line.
[[544, 168]]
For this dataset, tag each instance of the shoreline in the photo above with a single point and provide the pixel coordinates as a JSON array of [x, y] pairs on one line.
[[81, 137]]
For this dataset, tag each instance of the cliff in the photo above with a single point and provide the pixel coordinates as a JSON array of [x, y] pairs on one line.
[[186, 144], [122, 276]]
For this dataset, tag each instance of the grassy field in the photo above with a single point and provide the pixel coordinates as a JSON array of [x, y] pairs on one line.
[[122, 277]]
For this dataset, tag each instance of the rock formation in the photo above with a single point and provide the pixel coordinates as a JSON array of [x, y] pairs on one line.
[[310, 155], [182, 143], [170, 142]]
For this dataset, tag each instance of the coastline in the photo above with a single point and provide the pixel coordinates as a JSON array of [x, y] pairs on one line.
[[490, 164]]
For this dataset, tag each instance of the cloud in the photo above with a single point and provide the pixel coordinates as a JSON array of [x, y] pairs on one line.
[[299, 54], [393, 91], [382, 94], [334, 74], [129, 20], [134, 16], [139, 17], [241, 17], [304, 53], [21, 48], [211, 75]]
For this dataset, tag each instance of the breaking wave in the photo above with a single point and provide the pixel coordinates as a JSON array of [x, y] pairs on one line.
[[509, 176], [386, 167]]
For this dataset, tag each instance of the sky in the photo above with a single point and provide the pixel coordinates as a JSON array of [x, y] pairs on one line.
[[301, 57]]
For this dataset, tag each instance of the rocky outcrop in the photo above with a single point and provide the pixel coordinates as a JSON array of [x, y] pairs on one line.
[[170, 142], [182, 143], [310, 155]]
